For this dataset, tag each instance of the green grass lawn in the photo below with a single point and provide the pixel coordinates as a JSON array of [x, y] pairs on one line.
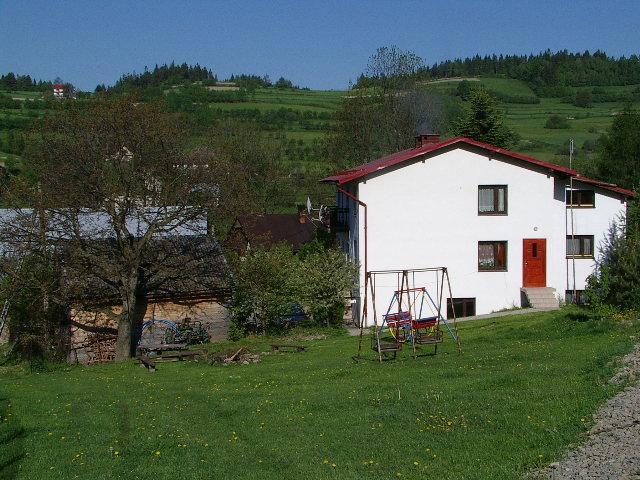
[[521, 392]]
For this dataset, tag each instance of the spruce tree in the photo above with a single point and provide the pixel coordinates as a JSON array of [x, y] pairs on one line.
[[483, 122]]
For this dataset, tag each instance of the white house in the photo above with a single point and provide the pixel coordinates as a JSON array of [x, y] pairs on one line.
[[504, 224]]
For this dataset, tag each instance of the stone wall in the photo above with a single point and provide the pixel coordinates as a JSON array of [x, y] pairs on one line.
[[88, 347]]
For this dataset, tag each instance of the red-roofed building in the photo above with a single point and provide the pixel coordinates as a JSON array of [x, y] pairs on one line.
[[58, 90], [511, 229]]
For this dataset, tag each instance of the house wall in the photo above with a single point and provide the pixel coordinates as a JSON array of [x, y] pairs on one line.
[[592, 221], [425, 214], [86, 347]]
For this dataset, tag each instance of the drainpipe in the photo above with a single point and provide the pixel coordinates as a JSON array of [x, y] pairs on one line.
[[366, 265]]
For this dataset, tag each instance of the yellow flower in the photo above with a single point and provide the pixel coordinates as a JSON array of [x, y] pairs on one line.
[[157, 452]]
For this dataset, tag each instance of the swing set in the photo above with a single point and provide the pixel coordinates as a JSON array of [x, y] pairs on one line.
[[414, 315]]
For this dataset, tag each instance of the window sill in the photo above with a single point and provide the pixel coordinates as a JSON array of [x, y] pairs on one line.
[[482, 270], [582, 207], [491, 214], [580, 257]]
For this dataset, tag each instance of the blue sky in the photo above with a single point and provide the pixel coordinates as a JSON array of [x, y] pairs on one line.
[[316, 44]]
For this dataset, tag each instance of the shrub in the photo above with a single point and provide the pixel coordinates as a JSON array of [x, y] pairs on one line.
[[583, 99], [616, 281], [270, 284], [556, 122]]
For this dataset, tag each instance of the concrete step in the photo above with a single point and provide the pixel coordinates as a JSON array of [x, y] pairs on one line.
[[540, 297]]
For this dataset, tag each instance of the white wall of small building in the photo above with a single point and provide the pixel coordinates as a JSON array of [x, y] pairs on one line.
[[425, 214]]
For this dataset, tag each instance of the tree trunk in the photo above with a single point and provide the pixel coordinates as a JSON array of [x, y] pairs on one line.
[[124, 342]]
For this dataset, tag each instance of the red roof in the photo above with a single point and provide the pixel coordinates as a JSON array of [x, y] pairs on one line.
[[397, 158]]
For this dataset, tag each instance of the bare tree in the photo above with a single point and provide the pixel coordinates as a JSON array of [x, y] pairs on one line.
[[393, 67], [113, 189]]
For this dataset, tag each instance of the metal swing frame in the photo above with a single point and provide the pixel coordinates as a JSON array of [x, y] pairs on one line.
[[407, 324]]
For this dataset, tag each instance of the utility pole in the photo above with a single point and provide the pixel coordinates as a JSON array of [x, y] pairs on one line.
[[573, 237]]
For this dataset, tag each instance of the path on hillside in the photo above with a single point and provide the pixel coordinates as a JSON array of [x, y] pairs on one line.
[[612, 449]]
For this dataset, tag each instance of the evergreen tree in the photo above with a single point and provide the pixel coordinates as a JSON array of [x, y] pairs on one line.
[[618, 158], [483, 122]]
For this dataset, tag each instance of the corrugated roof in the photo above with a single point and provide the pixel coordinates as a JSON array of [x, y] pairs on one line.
[[398, 158]]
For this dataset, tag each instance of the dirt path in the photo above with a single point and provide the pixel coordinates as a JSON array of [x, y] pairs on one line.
[[612, 449]]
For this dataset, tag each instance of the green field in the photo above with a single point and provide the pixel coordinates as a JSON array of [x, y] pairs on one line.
[[519, 395], [527, 119]]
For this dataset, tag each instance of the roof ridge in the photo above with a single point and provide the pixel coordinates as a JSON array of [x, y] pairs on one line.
[[402, 156]]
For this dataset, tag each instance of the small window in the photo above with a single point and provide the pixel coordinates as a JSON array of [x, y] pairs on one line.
[[580, 246], [581, 198], [492, 200], [578, 299], [492, 256], [462, 307]]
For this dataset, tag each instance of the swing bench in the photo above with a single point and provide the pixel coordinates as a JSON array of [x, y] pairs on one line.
[[408, 324]]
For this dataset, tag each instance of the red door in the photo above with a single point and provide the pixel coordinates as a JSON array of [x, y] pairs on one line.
[[534, 262]]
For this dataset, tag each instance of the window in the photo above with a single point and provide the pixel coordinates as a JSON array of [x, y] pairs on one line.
[[581, 198], [580, 246], [492, 256], [462, 307], [492, 200], [579, 297]]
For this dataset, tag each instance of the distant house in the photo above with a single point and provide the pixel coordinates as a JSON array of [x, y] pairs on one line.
[[512, 230], [58, 90], [264, 231]]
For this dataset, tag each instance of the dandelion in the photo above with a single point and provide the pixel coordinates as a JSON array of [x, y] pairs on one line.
[[157, 452]]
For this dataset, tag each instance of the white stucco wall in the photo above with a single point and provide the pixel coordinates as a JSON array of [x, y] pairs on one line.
[[425, 214], [592, 221]]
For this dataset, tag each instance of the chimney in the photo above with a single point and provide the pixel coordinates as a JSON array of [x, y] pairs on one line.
[[427, 139]]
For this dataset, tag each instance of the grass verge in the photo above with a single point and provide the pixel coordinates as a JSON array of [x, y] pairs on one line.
[[521, 392]]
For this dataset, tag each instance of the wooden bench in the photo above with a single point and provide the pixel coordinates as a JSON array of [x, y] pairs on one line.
[[287, 348], [179, 356]]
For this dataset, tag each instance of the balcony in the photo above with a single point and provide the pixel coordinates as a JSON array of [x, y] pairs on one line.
[[338, 219]]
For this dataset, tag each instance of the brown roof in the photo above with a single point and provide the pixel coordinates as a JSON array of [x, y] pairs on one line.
[[265, 231]]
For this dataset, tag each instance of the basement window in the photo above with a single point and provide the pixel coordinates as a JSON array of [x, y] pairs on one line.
[[580, 246], [462, 307], [492, 256], [581, 198], [492, 200], [578, 299]]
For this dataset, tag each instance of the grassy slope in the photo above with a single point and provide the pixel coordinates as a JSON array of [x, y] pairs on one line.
[[518, 395], [526, 119]]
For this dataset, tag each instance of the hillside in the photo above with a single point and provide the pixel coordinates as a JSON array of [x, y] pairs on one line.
[[585, 125], [303, 117]]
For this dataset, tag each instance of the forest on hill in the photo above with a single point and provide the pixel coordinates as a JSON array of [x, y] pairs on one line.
[[547, 73]]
